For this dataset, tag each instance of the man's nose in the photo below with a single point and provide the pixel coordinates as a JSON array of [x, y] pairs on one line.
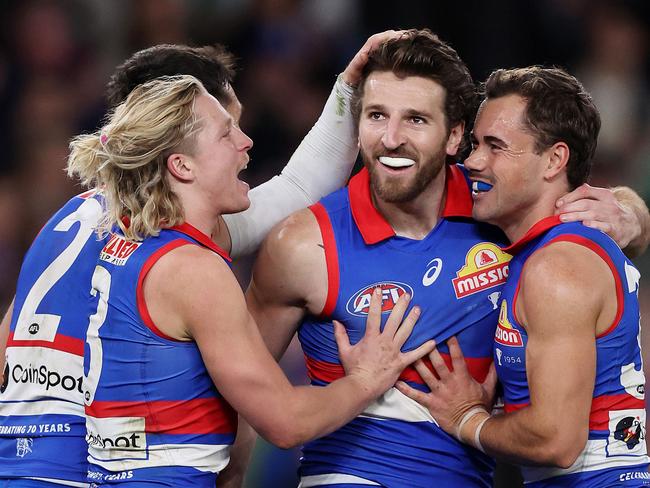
[[394, 135]]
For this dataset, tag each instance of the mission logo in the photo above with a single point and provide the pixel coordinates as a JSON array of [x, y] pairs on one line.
[[506, 334], [485, 266]]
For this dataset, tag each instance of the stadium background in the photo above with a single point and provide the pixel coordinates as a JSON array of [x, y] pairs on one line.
[[56, 56]]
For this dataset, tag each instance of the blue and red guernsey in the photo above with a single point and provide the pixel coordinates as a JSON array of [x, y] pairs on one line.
[[42, 425], [615, 454], [455, 275], [153, 413]]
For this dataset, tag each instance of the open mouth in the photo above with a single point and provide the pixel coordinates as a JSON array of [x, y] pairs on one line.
[[480, 187], [396, 163]]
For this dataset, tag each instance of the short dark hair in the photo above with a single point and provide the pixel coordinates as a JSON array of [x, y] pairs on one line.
[[558, 108], [419, 52], [213, 66]]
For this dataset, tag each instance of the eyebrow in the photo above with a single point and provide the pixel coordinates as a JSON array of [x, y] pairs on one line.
[[411, 112], [489, 140]]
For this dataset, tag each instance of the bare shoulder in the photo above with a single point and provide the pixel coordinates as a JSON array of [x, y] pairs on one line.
[[298, 233], [291, 263], [187, 286], [563, 279], [562, 264], [192, 264], [294, 242]]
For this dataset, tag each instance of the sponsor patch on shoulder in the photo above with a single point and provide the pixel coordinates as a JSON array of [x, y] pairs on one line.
[[359, 303], [485, 266], [118, 250], [505, 333]]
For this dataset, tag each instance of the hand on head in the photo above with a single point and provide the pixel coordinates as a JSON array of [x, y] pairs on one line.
[[352, 73]]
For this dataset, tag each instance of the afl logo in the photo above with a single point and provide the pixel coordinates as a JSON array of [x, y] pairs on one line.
[[359, 303]]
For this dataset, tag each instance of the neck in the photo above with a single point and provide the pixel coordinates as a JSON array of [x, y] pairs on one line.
[[516, 226], [416, 218], [201, 216]]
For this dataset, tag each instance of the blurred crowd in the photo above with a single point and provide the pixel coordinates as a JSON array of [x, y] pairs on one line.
[[56, 57]]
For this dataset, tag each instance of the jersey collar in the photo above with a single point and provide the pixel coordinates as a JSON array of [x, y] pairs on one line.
[[535, 231], [375, 228], [191, 231]]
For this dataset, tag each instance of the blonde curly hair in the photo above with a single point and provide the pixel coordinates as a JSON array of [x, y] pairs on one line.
[[126, 158]]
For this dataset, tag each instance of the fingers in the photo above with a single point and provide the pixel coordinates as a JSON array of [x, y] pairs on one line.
[[427, 375], [584, 191], [352, 73], [412, 357], [490, 382], [412, 393], [396, 315], [457, 357], [373, 322], [341, 336], [405, 330], [439, 364]]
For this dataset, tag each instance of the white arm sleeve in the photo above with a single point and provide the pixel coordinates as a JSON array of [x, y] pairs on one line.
[[321, 164]]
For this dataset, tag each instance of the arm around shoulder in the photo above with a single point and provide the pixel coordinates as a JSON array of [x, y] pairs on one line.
[[640, 234], [321, 164]]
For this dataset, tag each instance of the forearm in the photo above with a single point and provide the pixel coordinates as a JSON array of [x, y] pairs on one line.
[[523, 437], [321, 164], [311, 411], [630, 199]]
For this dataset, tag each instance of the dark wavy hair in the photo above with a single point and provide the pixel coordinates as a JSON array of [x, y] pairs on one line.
[[558, 108], [213, 66], [419, 52]]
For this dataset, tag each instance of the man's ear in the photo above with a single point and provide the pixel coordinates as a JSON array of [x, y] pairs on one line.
[[455, 138], [180, 167], [558, 158]]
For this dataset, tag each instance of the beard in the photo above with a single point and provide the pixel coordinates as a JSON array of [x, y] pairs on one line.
[[398, 189]]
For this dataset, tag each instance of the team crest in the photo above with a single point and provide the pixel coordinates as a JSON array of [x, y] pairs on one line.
[[485, 266], [23, 446], [629, 431], [359, 303], [505, 333], [626, 432]]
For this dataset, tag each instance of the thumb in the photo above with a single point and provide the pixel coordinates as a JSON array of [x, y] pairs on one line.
[[341, 336], [490, 382]]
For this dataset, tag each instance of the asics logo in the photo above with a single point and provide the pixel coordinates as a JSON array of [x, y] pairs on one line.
[[434, 267]]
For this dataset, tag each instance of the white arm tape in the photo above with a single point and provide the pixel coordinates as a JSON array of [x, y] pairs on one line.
[[321, 164]]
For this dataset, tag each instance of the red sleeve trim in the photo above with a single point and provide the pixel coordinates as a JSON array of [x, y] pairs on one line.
[[331, 257], [139, 291]]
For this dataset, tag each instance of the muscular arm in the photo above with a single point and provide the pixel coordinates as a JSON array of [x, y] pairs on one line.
[[191, 293], [289, 265], [619, 212], [562, 317], [289, 280]]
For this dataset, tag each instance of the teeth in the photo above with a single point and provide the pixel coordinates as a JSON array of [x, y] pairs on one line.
[[479, 186], [396, 162]]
